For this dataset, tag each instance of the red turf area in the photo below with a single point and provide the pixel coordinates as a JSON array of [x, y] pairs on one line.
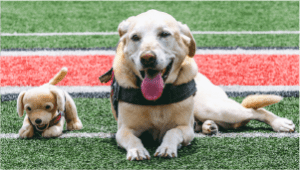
[[230, 69]]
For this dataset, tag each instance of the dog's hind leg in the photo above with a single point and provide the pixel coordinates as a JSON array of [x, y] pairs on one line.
[[207, 127], [258, 101], [278, 124], [72, 119]]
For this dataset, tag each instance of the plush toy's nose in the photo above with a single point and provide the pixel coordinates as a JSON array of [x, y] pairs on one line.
[[38, 121]]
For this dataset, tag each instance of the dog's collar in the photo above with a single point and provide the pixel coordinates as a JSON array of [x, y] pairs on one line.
[[171, 94], [57, 119]]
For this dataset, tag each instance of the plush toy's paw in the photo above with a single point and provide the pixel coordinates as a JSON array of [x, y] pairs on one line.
[[283, 125], [137, 154], [166, 151], [53, 131], [26, 132], [74, 125], [209, 127]]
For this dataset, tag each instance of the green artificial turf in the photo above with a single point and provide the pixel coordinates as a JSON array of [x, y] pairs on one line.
[[203, 153], [29, 17], [287, 40], [96, 116], [105, 16]]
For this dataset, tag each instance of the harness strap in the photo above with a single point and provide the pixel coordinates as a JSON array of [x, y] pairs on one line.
[[171, 94]]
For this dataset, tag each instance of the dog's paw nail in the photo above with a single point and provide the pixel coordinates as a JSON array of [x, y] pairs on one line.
[[166, 151], [137, 154]]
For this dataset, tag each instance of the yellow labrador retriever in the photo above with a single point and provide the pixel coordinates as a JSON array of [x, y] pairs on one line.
[[154, 55]]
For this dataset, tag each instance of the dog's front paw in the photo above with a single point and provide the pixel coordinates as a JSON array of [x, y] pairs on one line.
[[283, 125], [74, 125], [26, 132], [137, 154], [53, 131], [166, 151], [209, 127]]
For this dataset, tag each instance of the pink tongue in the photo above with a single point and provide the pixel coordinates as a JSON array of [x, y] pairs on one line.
[[152, 88]]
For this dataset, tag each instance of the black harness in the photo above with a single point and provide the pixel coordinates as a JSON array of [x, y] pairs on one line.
[[171, 94]]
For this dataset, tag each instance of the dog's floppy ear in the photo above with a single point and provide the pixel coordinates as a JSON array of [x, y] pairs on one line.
[[124, 27], [59, 99], [188, 38], [20, 106]]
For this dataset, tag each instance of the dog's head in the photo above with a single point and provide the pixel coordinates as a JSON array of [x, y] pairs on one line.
[[41, 105], [154, 46]]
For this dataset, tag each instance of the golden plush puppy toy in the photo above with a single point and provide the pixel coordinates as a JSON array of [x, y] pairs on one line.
[[47, 107]]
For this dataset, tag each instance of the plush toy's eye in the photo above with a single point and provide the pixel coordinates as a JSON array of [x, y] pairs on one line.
[[47, 107], [28, 108], [135, 37]]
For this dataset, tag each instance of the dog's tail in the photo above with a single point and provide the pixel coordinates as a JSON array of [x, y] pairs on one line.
[[59, 76], [259, 101]]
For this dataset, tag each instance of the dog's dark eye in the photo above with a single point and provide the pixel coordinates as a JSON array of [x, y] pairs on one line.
[[135, 38], [164, 34], [47, 107], [28, 108]]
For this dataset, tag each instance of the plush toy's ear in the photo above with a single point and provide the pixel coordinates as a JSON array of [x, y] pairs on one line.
[[188, 38], [59, 98], [20, 106]]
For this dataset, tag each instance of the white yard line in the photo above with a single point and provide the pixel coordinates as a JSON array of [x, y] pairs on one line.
[[96, 89], [76, 52], [111, 135], [69, 89], [59, 34], [245, 32], [116, 33], [58, 53]]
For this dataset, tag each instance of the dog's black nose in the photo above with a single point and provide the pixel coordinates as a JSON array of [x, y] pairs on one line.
[[148, 59], [38, 121]]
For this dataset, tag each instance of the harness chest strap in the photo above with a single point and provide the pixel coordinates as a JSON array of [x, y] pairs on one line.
[[171, 94]]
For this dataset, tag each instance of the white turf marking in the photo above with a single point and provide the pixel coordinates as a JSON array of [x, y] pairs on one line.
[[94, 89], [111, 52], [111, 135], [58, 53], [69, 89], [59, 33], [116, 33], [245, 32]]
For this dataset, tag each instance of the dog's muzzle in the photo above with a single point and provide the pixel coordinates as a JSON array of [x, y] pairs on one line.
[[148, 59]]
